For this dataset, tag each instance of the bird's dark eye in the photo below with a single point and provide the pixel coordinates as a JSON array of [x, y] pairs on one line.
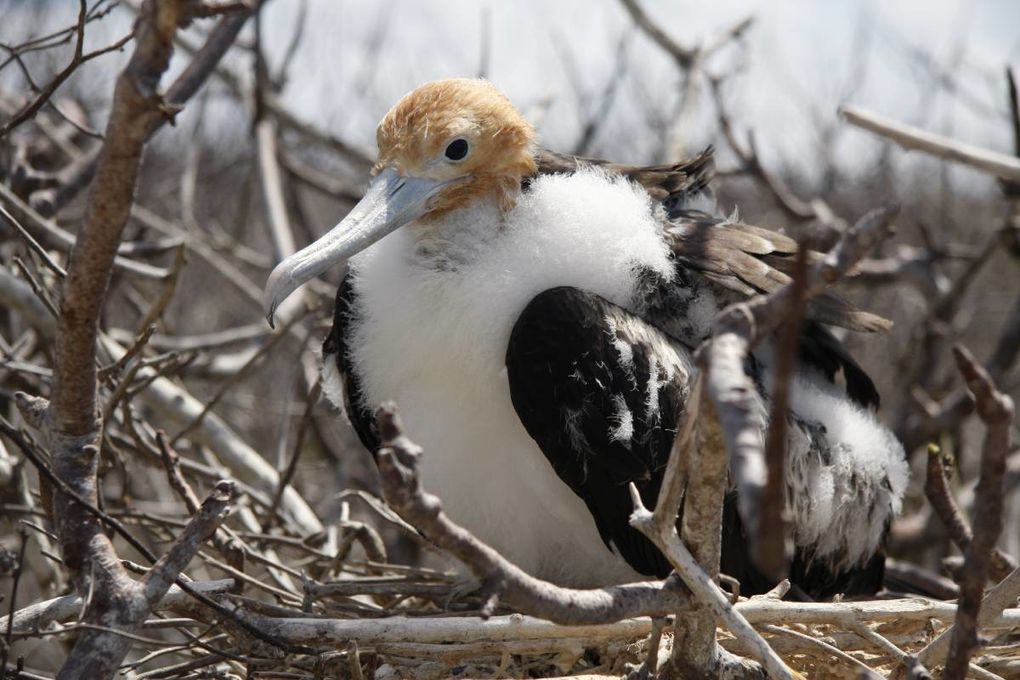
[[457, 150]]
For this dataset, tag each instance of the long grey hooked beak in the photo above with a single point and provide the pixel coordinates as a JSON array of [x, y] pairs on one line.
[[390, 202]]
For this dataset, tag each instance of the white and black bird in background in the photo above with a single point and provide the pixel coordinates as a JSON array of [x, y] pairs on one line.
[[534, 316]]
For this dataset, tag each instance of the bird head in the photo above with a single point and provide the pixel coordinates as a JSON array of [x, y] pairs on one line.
[[442, 146]]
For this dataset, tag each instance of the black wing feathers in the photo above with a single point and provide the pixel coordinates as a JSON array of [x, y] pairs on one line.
[[602, 418], [575, 362], [336, 348]]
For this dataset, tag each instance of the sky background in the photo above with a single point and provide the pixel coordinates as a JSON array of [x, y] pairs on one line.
[[800, 60]]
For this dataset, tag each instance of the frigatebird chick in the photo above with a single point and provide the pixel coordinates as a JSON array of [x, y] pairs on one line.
[[534, 314]]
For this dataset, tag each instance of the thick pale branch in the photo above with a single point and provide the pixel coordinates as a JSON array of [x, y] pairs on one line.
[[40, 615], [759, 611], [946, 148]]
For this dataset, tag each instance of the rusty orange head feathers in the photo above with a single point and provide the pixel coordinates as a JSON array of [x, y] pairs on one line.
[[457, 127]]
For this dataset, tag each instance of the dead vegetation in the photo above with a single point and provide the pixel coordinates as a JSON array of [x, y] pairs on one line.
[[136, 374]]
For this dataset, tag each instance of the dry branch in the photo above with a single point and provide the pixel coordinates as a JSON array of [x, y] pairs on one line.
[[70, 423], [697, 477], [53, 235], [999, 599], [705, 589], [773, 545], [74, 178], [758, 611], [41, 615], [946, 148], [175, 406], [936, 489], [996, 411], [78, 58]]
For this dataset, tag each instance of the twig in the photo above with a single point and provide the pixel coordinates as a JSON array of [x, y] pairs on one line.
[[596, 118], [159, 306], [1001, 597], [996, 410], [11, 606], [33, 244], [53, 234], [773, 547], [910, 137], [168, 400], [751, 161], [201, 527], [228, 384], [19, 296], [288, 473], [226, 541], [39, 615], [204, 62], [936, 489], [682, 55], [138, 344], [821, 644], [690, 61], [915, 668], [78, 58], [37, 287]]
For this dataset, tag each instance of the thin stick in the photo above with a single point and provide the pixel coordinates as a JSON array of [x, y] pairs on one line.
[[772, 545]]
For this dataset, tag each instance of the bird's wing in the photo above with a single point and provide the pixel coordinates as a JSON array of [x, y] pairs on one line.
[[600, 390], [672, 184], [747, 260], [750, 260], [336, 349]]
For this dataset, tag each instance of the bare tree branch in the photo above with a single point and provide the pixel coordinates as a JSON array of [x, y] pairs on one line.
[[996, 410], [936, 489], [77, 59], [910, 137]]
